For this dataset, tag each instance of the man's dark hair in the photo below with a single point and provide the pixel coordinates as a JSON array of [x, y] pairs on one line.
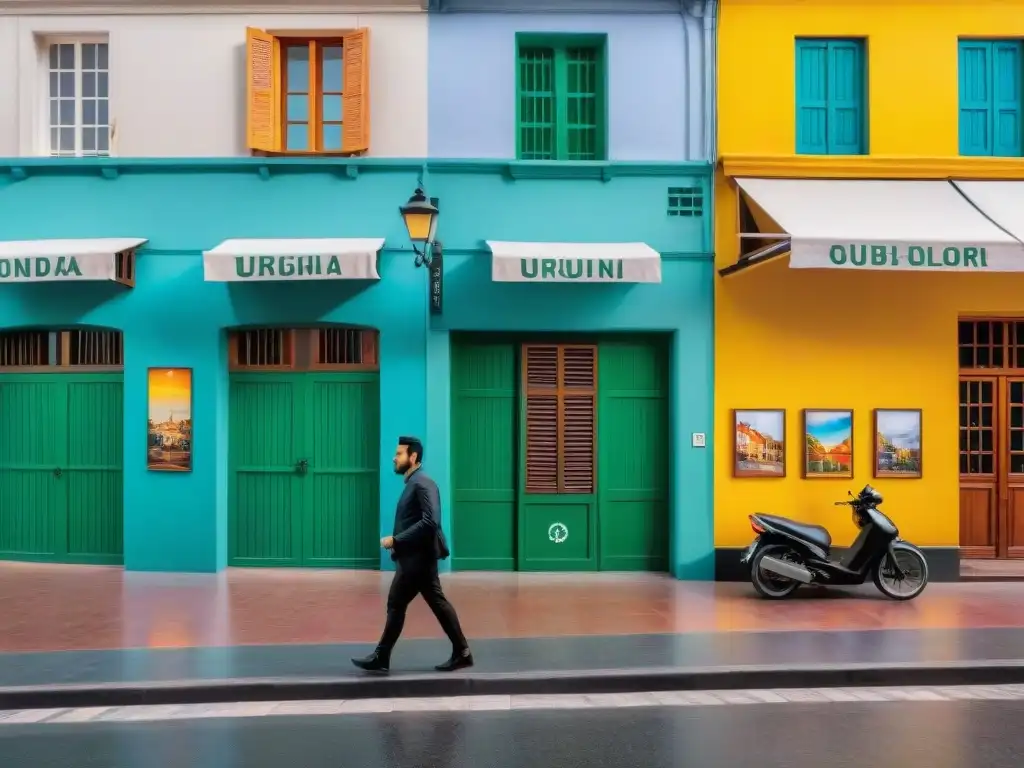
[[412, 445]]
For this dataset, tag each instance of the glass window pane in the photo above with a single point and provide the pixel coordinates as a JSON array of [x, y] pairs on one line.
[[102, 62], [102, 90], [67, 139], [297, 73], [297, 137], [88, 84], [332, 138], [332, 109], [298, 109], [66, 86], [54, 116], [54, 84], [67, 112], [89, 112], [103, 139], [88, 139], [332, 69], [54, 61], [66, 55], [88, 56], [103, 116], [54, 140]]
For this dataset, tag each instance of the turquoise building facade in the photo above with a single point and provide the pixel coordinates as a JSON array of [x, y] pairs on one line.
[[429, 384]]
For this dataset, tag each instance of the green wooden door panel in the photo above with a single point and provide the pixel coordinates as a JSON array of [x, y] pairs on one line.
[[557, 533], [633, 445], [483, 459], [342, 517], [33, 419], [93, 474], [266, 422]]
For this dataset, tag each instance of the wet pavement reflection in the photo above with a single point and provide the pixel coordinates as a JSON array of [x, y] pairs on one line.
[[961, 734]]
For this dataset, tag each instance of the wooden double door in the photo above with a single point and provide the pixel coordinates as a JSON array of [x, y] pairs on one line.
[[992, 466]]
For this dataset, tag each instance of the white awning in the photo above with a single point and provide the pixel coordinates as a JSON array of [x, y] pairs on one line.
[[884, 224], [1001, 201], [293, 259], [574, 262], [29, 261]]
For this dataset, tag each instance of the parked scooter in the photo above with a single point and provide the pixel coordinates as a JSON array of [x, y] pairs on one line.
[[786, 554]]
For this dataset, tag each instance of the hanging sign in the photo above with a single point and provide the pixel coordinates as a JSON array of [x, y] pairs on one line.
[[436, 280]]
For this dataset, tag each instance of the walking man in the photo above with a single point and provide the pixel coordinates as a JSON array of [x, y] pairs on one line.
[[416, 546]]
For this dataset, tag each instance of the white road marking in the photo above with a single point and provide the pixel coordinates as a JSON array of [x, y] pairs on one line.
[[739, 698]]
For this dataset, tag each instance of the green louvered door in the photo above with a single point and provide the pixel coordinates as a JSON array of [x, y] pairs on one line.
[[61, 476], [304, 456], [484, 455], [633, 455]]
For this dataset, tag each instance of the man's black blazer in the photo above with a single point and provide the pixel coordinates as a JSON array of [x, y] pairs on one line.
[[417, 533]]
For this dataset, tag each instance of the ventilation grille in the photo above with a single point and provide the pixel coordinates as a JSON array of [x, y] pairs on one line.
[[95, 348], [341, 346], [262, 348], [24, 349], [685, 201]]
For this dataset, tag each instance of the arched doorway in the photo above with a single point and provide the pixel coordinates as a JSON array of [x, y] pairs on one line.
[[304, 447], [61, 445]]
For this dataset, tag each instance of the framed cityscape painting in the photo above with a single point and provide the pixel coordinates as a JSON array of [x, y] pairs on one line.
[[828, 443], [898, 442], [169, 433], [759, 443]]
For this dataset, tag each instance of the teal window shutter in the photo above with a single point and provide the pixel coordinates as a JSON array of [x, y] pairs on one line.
[[990, 97], [812, 97], [846, 97], [1006, 107], [831, 94]]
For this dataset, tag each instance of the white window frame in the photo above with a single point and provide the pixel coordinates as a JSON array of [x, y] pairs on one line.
[[44, 41]]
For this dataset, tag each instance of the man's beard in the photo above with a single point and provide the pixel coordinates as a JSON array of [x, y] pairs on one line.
[[401, 469]]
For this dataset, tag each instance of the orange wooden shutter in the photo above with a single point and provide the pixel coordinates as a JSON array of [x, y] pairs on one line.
[[355, 129], [578, 406], [560, 389], [263, 102]]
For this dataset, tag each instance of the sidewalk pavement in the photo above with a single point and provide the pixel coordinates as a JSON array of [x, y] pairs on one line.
[[82, 637]]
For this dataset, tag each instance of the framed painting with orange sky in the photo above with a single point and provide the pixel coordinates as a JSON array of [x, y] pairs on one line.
[[169, 444]]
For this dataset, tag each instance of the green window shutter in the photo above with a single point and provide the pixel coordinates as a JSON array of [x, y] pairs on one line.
[[1006, 94], [581, 109], [811, 97], [536, 104], [561, 99]]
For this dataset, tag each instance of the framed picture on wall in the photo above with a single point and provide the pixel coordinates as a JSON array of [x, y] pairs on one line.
[[898, 442], [759, 442], [169, 432], [828, 443]]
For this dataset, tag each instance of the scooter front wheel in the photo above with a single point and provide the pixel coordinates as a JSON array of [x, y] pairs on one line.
[[914, 579], [768, 584]]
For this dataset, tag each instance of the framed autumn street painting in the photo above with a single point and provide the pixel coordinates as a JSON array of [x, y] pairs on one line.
[[898, 442], [828, 443], [169, 433], [759, 442]]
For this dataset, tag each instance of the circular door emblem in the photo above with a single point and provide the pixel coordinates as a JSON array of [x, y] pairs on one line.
[[558, 533]]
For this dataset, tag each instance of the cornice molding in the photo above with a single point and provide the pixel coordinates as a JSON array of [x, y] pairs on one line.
[[198, 7], [869, 167], [19, 168]]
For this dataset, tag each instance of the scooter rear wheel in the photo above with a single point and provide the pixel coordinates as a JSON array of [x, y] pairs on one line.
[[768, 584]]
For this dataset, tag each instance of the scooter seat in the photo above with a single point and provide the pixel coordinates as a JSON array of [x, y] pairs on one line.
[[812, 534]]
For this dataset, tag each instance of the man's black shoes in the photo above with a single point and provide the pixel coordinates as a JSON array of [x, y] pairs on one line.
[[456, 662], [375, 662]]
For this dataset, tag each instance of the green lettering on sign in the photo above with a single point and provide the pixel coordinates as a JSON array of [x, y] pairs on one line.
[[247, 267], [39, 267], [896, 256], [571, 269]]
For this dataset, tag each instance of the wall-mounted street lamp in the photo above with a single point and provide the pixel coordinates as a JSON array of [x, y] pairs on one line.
[[420, 215]]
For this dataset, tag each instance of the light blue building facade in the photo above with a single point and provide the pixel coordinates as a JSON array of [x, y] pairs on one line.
[[461, 350]]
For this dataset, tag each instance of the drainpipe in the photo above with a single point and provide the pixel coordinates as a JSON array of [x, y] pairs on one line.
[[711, 80]]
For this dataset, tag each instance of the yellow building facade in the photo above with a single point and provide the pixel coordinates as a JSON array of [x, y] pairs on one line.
[[869, 246]]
